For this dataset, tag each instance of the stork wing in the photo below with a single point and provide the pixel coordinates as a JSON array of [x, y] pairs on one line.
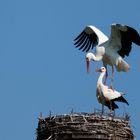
[[122, 37], [114, 106], [114, 95], [89, 37], [121, 99], [111, 94]]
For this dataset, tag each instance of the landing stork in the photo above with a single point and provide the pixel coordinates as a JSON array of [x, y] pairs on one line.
[[110, 51]]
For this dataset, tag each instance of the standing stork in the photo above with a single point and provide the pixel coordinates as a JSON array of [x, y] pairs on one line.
[[105, 95], [110, 50]]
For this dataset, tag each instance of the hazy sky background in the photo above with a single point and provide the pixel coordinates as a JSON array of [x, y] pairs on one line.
[[42, 71]]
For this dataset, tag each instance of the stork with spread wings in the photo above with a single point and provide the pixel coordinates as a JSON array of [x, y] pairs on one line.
[[110, 50]]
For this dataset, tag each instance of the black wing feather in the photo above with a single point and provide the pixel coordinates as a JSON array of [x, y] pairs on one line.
[[121, 99], [86, 41], [127, 37], [92, 45], [89, 47], [93, 38], [80, 40], [86, 46], [81, 34], [114, 106]]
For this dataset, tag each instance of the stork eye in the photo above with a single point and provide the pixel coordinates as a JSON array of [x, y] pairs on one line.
[[103, 69]]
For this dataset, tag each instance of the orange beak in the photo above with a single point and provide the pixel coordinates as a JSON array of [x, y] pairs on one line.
[[88, 64], [98, 70]]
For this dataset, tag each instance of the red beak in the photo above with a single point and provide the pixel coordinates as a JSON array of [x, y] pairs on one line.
[[98, 70], [88, 64]]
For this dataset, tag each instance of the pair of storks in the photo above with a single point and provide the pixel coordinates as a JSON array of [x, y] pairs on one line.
[[110, 51]]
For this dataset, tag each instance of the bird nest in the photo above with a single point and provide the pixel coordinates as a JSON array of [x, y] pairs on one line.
[[84, 126]]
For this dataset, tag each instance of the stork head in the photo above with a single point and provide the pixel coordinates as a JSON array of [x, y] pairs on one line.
[[95, 57], [89, 57], [102, 69]]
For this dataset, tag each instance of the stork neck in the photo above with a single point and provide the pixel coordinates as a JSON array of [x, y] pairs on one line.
[[100, 79], [95, 57]]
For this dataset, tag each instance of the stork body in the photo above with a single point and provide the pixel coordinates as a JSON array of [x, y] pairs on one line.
[[105, 95], [110, 50]]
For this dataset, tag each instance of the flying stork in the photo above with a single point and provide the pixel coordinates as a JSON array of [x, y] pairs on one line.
[[107, 96], [110, 50]]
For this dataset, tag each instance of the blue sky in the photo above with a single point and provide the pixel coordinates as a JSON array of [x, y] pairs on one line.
[[41, 71]]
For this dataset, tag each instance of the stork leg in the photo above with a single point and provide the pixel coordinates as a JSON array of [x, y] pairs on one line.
[[102, 109], [111, 108], [112, 78], [106, 75]]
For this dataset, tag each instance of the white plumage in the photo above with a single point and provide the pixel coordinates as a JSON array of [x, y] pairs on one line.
[[110, 50], [105, 95]]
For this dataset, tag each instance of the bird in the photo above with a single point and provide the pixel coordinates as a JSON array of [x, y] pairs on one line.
[[107, 96], [111, 51]]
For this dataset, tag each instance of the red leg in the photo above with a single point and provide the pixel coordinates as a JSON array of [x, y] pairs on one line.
[[102, 109], [106, 75], [112, 78], [110, 108]]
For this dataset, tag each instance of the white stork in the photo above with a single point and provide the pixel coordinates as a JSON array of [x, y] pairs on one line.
[[110, 50], [105, 95]]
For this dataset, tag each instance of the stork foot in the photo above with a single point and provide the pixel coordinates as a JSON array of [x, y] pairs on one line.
[[110, 114], [101, 115]]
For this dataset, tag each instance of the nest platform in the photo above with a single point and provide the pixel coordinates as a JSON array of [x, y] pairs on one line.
[[84, 126]]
